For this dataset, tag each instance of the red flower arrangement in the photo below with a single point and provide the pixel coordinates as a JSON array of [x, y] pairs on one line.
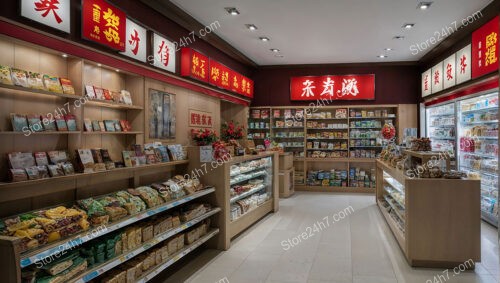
[[203, 136], [231, 131]]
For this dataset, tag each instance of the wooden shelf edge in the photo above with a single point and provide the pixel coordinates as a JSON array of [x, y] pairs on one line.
[[12, 133], [109, 104], [329, 189], [114, 133], [398, 234], [248, 219], [40, 91]]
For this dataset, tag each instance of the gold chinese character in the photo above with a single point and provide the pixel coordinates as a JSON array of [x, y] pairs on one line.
[[112, 35], [215, 73], [235, 82], [491, 39], [96, 13], [225, 78], [491, 57], [112, 19], [97, 30]]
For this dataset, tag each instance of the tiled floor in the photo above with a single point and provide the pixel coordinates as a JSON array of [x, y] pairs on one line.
[[357, 249]]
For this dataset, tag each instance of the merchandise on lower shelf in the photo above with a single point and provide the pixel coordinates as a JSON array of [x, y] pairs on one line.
[[248, 204], [327, 135], [362, 178], [363, 153], [327, 145], [332, 178], [325, 125], [327, 154]]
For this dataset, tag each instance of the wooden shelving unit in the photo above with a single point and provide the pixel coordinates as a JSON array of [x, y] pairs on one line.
[[220, 177], [423, 213], [303, 162], [20, 197]]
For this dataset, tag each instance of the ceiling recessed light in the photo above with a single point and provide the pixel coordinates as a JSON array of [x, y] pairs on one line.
[[388, 49], [232, 11], [117, 70], [408, 26], [424, 5], [251, 26], [263, 38], [64, 55], [382, 56], [274, 50], [398, 37], [99, 64]]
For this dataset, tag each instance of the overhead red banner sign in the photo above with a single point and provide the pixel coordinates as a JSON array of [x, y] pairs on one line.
[[104, 24], [346, 87], [225, 78], [485, 48], [194, 64]]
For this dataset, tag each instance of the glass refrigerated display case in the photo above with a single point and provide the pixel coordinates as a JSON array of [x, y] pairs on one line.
[[478, 147], [441, 128]]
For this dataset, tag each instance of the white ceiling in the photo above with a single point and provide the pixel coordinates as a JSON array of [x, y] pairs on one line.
[[329, 31]]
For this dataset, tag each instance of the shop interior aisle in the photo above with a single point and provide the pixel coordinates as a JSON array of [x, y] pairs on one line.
[[357, 249]]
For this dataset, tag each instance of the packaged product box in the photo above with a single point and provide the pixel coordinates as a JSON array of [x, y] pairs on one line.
[[157, 254], [52, 84], [35, 80], [130, 238], [172, 246], [138, 236], [19, 77], [147, 233], [164, 253], [67, 86], [5, 75], [131, 274]]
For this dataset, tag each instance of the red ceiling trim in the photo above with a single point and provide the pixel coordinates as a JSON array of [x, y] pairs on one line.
[[488, 84], [31, 36]]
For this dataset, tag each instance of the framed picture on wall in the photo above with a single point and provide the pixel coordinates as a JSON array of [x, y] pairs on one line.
[[160, 116]]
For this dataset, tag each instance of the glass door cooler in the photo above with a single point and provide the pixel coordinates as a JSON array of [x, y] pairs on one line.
[[441, 128], [478, 151]]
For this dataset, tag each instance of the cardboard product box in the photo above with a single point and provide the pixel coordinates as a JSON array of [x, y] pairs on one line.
[[147, 233], [130, 238], [285, 161], [172, 246], [164, 253], [158, 258], [286, 182], [176, 221], [131, 274], [192, 236], [180, 241], [138, 236]]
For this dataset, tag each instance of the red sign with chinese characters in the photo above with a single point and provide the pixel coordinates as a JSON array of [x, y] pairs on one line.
[[485, 48], [200, 119], [225, 78], [104, 23], [194, 64], [347, 87]]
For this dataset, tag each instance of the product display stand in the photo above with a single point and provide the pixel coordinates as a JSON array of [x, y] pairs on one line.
[[223, 179], [334, 139], [423, 213]]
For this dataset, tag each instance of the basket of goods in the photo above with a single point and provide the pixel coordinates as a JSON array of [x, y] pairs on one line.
[[421, 144], [388, 131]]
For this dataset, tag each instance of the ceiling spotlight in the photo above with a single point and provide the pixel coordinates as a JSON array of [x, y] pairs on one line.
[[263, 38], [251, 26], [64, 55], [408, 26], [232, 11], [388, 49], [424, 5], [274, 50], [398, 37], [117, 70], [382, 56], [99, 64]]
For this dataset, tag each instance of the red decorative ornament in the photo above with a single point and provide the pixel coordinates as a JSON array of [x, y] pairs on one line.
[[388, 131]]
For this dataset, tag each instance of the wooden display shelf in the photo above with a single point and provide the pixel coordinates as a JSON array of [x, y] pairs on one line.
[[332, 189], [248, 219], [220, 177], [114, 133], [111, 104], [434, 210], [33, 188], [177, 256], [41, 133], [25, 90], [102, 268], [398, 234]]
